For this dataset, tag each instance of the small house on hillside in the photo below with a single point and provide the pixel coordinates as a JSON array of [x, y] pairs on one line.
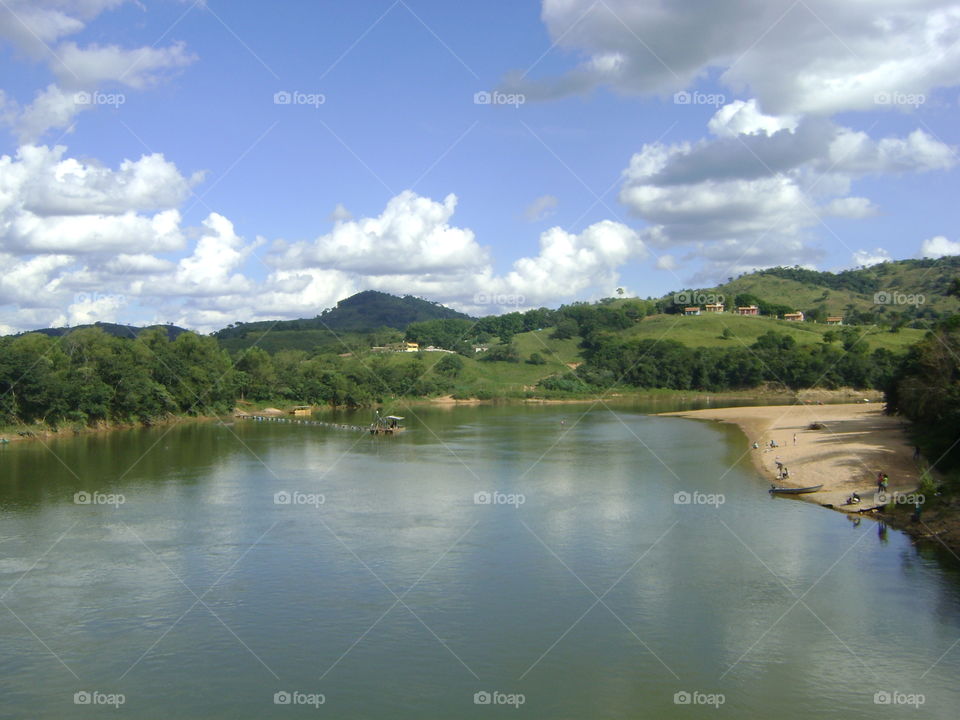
[[835, 320], [748, 310], [714, 307], [411, 347], [794, 316], [691, 310]]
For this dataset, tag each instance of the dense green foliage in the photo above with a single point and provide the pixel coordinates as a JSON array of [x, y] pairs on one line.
[[926, 389], [773, 358], [89, 376]]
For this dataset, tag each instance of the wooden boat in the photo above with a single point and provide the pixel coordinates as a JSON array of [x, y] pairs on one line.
[[389, 425], [794, 491]]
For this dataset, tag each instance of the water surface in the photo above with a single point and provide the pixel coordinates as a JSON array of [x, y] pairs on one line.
[[402, 596]]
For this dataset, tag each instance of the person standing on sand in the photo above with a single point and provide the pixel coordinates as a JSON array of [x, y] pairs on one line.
[[794, 438]]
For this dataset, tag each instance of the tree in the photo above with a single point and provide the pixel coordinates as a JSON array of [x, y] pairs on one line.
[[536, 359], [449, 366]]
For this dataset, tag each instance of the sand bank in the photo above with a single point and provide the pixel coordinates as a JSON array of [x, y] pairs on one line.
[[856, 442]]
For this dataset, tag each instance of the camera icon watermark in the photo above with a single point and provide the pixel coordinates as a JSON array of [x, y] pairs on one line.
[[695, 697], [95, 697], [296, 697], [892, 697], [698, 498], [485, 497], [692, 297], [913, 100], [287, 497], [698, 98], [892, 297], [501, 299], [99, 98], [495, 697], [286, 97], [87, 298], [496, 97], [99, 498], [899, 498]]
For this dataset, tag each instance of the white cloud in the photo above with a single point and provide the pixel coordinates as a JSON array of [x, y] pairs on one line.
[[412, 233], [53, 204], [666, 262], [759, 192], [138, 68], [541, 208], [939, 246], [37, 28], [819, 56], [745, 118], [866, 258], [850, 207]]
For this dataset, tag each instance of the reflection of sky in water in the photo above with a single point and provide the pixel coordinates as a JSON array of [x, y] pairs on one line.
[[492, 578]]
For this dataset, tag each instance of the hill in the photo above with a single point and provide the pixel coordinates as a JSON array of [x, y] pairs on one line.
[[896, 292], [366, 312], [121, 331]]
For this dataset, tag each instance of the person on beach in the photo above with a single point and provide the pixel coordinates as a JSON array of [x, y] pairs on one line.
[[794, 438], [916, 452]]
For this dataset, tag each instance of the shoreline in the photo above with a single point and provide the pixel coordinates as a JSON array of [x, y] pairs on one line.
[[856, 442]]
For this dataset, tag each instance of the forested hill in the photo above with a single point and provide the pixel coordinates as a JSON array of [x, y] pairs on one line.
[[364, 312], [120, 331]]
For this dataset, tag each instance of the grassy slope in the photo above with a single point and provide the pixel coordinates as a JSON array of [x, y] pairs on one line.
[[700, 331], [706, 330], [894, 277]]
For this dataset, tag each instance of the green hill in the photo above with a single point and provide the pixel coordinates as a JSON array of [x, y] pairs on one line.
[[340, 327], [896, 292], [121, 331]]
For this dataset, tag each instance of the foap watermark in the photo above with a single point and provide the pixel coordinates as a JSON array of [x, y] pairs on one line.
[[899, 498], [499, 98], [913, 100], [495, 697], [695, 697], [892, 297], [511, 299], [99, 98], [86, 298], [698, 98], [287, 497], [295, 697], [98, 498], [698, 498], [892, 697], [95, 697], [286, 97], [690, 297], [485, 497]]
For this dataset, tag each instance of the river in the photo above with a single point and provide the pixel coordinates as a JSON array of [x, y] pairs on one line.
[[561, 561]]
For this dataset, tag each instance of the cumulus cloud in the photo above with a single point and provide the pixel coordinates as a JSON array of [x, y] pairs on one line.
[[53, 204], [541, 208], [37, 28], [745, 118], [819, 56], [758, 187], [938, 247], [412, 233], [866, 258]]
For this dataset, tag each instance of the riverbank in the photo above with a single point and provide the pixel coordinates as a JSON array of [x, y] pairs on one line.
[[842, 447]]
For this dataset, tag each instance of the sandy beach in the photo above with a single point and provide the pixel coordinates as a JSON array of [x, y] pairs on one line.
[[856, 443]]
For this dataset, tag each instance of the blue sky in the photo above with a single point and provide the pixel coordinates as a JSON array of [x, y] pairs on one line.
[[149, 174]]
